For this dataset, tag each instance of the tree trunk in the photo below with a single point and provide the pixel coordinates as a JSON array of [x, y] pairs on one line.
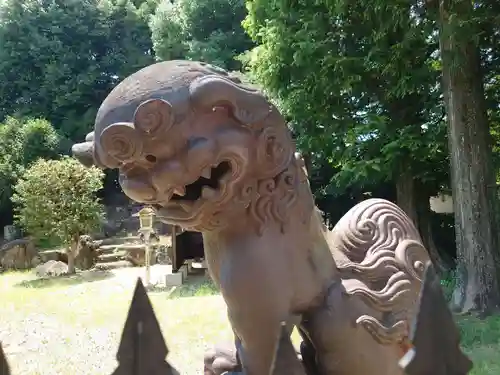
[[71, 256], [425, 228], [415, 203], [471, 161], [405, 194]]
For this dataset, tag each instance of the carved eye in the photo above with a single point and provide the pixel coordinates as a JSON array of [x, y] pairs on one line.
[[150, 158]]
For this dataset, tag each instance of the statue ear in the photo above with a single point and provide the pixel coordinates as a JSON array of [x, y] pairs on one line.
[[154, 117], [274, 144], [121, 142]]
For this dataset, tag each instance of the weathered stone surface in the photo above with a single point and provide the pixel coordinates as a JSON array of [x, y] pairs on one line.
[[136, 254], [221, 161], [115, 241], [51, 268], [57, 255], [19, 254], [128, 249], [220, 359], [87, 254]]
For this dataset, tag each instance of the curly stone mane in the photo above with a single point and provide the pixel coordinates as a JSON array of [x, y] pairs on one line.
[[385, 264], [278, 184]]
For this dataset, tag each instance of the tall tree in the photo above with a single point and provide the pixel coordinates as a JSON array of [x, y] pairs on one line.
[[60, 58], [359, 82], [205, 30], [57, 199], [473, 180], [22, 142], [488, 15]]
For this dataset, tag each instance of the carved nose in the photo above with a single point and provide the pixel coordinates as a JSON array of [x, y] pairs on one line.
[[137, 189], [84, 153], [170, 173]]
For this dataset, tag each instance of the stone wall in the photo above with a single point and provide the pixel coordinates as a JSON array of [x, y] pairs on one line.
[[19, 254]]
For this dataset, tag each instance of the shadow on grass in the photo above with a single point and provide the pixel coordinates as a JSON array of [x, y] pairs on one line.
[[196, 285], [66, 280], [480, 339], [476, 331], [197, 288]]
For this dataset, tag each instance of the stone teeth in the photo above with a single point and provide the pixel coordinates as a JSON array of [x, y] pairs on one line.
[[208, 193], [181, 191], [168, 195], [206, 173]]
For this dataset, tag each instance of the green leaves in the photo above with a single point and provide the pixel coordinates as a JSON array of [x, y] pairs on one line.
[[59, 59], [56, 199], [205, 30], [22, 141], [357, 80]]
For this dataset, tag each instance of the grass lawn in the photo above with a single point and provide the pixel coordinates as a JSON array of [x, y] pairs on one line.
[[73, 326], [481, 341]]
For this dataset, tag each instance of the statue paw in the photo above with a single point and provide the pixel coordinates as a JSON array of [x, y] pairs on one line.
[[221, 359]]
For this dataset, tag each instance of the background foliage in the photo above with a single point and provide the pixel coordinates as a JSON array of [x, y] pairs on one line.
[[359, 82], [56, 199]]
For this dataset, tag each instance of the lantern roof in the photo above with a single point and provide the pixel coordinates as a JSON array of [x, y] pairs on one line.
[[145, 211]]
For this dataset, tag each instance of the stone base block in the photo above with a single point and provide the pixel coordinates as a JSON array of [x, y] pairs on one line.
[[174, 279], [184, 270]]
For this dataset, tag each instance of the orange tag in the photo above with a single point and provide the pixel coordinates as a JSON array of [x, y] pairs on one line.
[[405, 346]]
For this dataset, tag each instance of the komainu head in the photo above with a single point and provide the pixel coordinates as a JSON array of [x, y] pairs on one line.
[[193, 142]]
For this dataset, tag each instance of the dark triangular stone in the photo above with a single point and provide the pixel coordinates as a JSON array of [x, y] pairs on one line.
[[4, 366], [435, 337], [142, 348]]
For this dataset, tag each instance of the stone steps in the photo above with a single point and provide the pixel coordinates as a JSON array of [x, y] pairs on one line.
[[106, 249], [120, 240], [114, 265], [117, 250], [131, 247], [112, 257]]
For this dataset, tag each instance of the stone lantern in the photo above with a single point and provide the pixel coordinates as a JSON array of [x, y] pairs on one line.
[[146, 222]]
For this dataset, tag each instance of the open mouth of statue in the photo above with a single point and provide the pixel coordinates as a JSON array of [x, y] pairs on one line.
[[207, 186]]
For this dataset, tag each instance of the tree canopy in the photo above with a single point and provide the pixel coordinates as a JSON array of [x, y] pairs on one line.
[[22, 142], [204, 30], [361, 83], [62, 57], [57, 199]]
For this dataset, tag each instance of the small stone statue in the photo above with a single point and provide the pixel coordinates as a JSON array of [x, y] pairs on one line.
[[215, 156], [221, 359], [86, 254]]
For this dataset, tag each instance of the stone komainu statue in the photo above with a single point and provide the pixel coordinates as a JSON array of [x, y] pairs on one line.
[[215, 156]]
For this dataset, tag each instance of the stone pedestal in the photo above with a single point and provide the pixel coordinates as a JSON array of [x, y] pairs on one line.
[[174, 279], [184, 271], [189, 266]]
